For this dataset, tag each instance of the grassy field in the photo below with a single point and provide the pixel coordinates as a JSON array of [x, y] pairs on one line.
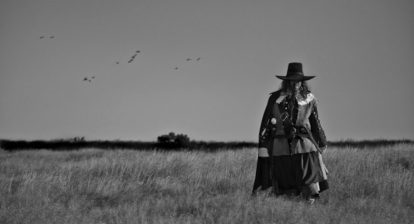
[[372, 185]]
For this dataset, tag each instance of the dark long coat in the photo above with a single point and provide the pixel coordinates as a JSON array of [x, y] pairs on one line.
[[310, 140]]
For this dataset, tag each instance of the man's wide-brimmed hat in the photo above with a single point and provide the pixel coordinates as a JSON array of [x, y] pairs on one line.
[[295, 73]]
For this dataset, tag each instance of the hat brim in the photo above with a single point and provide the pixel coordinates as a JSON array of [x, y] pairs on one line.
[[295, 77]]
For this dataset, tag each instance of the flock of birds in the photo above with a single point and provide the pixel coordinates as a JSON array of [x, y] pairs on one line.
[[131, 59], [50, 37]]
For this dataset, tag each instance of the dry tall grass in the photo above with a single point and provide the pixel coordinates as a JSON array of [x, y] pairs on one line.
[[98, 186]]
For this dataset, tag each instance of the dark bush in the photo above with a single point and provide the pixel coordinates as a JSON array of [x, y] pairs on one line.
[[173, 141]]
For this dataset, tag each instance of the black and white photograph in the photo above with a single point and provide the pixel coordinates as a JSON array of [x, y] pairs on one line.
[[206, 111]]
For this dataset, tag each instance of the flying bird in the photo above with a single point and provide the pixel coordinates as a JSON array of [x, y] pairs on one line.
[[51, 37], [198, 59], [117, 62], [88, 79], [41, 37], [132, 58], [176, 68], [188, 59]]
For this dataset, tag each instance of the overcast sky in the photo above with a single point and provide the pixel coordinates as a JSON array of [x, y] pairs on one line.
[[362, 53]]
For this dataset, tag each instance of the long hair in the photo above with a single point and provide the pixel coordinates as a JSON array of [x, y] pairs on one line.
[[287, 88]]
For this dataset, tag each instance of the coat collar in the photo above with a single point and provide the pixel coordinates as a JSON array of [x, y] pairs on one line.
[[301, 100]]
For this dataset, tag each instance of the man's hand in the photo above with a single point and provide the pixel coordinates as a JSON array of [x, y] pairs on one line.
[[322, 149]]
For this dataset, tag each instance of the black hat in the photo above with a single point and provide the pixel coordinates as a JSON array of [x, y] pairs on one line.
[[295, 73]]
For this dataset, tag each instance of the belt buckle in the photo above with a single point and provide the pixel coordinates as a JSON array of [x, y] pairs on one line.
[[284, 116]]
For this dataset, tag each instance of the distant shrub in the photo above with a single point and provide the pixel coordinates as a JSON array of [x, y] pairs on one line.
[[173, 141]]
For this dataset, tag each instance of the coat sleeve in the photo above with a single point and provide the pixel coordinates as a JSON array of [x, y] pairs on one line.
[[316, 128], [265, 120]]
